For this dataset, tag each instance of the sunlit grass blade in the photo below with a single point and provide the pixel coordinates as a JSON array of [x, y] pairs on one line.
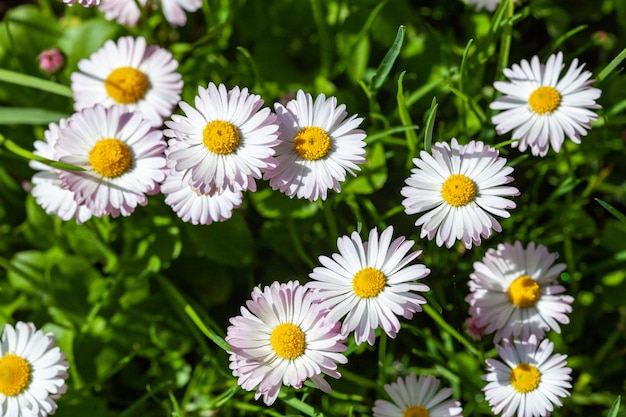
[[405, 117], [554, 46], [430, 124], [28, 116], [462, 69], [253, 67], [183, 305], [16, 78], [616, 213], [606, 71], [505, 39], [387, 63], [615, 408], [23, 153]]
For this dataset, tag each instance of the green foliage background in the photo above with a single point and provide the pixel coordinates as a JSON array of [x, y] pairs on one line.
[[140, 304]]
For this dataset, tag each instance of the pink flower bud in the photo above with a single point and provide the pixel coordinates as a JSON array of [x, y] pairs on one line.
[[51, 60]]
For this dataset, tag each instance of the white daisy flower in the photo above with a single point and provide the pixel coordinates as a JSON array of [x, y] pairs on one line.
[[174, 10], [124, 12], [225, 142], [459, 188], [195, 207], [528, 381], [417, 398], [47, 190], [513, 292], [86, 3], [283, 338], [122, 156], [127, 12], [370, 284], [130, 73], [318, 145], [541, 108], [32, 372]]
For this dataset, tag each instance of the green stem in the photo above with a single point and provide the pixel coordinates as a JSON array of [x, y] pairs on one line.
[[445, 326]]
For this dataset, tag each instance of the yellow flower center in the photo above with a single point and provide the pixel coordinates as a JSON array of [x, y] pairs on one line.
[[288, 341], [110, 157], [525, 378], [126, 85], [415, 411], [312, 143], [14, 375], [220, 137], [368, 282], [544, 100], [524, 292], [458, 190]]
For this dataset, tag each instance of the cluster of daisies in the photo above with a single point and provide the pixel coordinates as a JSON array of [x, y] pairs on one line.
[[289, 333], [215, 151], [128, 12], [220, 145]]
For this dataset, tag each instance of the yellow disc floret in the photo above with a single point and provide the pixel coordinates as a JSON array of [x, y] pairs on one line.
[[288, 341], [415, 411], [15, 373], [126, 85], [524, 292], [312, 143], [525, 378], [110, 157], [368, 282], [220, 137], [544, 100], [458, 190]]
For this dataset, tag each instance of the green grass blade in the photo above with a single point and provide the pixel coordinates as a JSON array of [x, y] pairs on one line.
[[505, 39], [34, 82], [561, 40], [23, 153], [430, 124], [616, 213], [405, 118], [611, 66], [615, 407], [387, 63], [182, 304], [28, 116]]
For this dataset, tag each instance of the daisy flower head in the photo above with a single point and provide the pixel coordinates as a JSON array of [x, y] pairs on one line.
[[128, 13], [528, 381], [226, 141], [414, 397], [196, 207], [32, 372], [459, 188], [129, 73], [541, 107], [283, 337], [318, 146], [513, 292], [122, 157], [47, 188], [370, 284]]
